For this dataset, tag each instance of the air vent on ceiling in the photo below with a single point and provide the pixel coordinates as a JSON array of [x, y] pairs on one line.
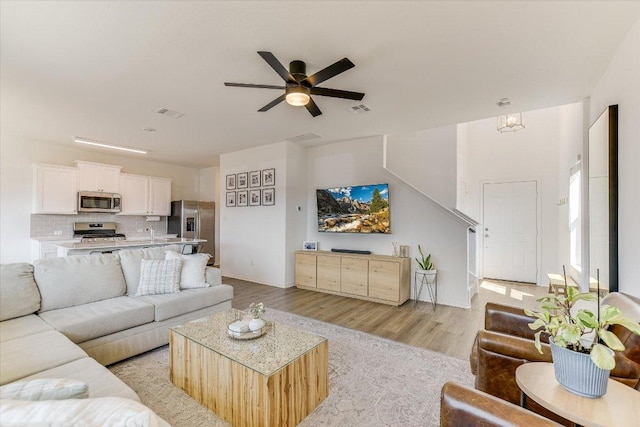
[[170, 113], [360, 108], [304, 137]]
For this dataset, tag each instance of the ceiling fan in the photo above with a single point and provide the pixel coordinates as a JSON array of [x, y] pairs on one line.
[[298, 86]]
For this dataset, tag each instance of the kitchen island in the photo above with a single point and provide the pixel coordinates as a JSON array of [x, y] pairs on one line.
[[79, 248]]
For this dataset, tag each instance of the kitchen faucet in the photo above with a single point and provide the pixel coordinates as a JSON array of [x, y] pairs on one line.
[[151, 230]]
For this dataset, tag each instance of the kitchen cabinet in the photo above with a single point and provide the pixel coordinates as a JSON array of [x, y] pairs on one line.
[[55, 189], [145, 195], [98, 177], [377, 278]]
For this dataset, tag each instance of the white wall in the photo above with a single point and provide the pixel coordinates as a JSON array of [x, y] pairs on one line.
[[414, 218], [258, 241], [16, 184], [529, 154], [620, 85], [426, 158], [569, 150]]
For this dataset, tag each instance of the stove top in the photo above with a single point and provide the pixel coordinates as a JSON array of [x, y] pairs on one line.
[[97, 232]]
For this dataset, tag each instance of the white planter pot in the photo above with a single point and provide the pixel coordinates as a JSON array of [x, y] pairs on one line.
[[429, 274], [577, 373], [256, 324]]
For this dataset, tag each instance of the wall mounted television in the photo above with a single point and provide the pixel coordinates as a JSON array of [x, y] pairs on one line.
[[354, 209]]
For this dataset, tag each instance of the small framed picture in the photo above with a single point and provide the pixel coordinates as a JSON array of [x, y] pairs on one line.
[[268, 196], [254, 197], [242, 180], [309, 246], [268, 177], [231, 198], [254, 179], [231, 181], [242, 198]]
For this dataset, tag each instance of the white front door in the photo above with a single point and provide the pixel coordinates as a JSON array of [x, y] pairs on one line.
[[510, 231]]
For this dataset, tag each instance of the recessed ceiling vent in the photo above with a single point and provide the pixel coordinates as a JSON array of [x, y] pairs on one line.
[[360, 108], [304, 137], [170, 113]]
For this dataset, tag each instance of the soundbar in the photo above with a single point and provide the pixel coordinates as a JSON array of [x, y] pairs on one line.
[[351, 251]]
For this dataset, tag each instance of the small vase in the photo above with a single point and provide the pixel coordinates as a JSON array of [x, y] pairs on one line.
[[577, 373], [256, 324]]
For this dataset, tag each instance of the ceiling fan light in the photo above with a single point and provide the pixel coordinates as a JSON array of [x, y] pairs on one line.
[[298, 96]]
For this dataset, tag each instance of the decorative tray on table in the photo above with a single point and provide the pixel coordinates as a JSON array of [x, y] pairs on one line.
[[248, 334]]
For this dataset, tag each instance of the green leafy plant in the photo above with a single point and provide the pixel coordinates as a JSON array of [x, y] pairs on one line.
[[581, 330], [424, 262]]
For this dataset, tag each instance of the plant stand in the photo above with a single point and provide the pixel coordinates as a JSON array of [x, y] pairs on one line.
[[431, 281]]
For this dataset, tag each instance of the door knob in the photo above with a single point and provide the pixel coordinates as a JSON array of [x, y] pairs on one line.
[[486, 235]]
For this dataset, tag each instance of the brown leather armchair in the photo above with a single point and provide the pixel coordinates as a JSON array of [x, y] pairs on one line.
[[507, 342], [464, 406]]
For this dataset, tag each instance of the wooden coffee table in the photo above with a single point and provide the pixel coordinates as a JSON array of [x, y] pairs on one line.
[[275, 380], [619, 407]]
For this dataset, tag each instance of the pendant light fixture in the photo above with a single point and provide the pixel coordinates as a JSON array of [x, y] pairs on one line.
[[509, 122]]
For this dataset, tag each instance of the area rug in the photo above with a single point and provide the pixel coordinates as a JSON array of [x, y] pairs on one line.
[[372, 381]]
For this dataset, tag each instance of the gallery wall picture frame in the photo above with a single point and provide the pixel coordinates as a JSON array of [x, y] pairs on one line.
[[254, 197], [268, 196], [308, 245], [231, 199], [231, 181], [254, 179], [242, 197], [268, 177], [242, 180]]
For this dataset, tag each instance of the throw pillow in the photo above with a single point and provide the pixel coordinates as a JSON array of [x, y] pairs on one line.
[[45, 389], [159, 277], [193, 269]]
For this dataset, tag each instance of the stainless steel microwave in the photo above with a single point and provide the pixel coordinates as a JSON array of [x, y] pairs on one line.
[[97, 201]]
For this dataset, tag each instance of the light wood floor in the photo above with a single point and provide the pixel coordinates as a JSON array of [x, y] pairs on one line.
[[447, 330]]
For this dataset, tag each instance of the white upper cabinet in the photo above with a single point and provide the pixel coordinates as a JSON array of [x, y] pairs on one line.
[[145, 195], [98, 177], [55, 189], [160, 196]]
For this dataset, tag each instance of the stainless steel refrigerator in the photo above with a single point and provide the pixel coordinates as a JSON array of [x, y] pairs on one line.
[[194, 220]]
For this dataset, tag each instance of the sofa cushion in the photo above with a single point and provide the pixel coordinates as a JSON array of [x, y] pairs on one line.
[[101, 411], [22, 326], [19, 294], [213, 276], [172, 305], [35, 353], [192, 271], [130, 261], [45, 389], [79, 279], [88, 321], [101, 382]]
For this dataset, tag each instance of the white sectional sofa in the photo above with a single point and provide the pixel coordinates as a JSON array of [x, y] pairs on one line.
[[67, 317]]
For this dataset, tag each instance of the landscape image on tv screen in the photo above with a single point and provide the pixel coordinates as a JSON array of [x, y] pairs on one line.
[[354, 209]]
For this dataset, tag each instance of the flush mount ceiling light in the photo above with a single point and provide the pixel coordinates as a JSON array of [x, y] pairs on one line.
[[509, 122], [104, 145], [298, 96]]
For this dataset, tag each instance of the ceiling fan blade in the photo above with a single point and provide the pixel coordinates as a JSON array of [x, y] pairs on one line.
[[326, 73], [255, 86], [336, 93], [273, 103], [313, 108], [277, 66]]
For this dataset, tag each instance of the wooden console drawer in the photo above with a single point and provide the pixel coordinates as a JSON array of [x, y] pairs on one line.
[[328, 273], [355, 276]]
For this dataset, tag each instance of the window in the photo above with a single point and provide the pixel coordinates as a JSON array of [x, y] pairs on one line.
[[575, 237]]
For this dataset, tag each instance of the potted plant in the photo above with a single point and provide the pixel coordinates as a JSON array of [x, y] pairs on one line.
[[256, 311], [581, 346], [426, 266]]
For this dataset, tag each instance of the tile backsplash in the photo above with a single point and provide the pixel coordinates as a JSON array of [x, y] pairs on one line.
[[44, 226]]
